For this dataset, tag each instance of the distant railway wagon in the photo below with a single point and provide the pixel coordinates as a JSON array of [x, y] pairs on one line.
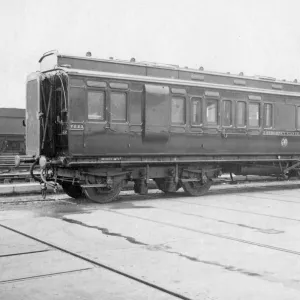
[[92, 125], [12, 131]]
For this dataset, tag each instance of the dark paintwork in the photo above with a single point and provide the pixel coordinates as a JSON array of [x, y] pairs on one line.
[[161, 138], [148, 130]]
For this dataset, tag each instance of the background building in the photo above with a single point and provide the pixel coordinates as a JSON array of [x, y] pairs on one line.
[[12, 131]]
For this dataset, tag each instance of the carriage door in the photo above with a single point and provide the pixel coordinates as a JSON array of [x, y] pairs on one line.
[[77, 116], [119, 118], [157, 112], [96, 132], [32, 115]]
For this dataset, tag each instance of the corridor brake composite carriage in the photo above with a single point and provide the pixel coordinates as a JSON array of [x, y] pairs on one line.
[[93, 125]]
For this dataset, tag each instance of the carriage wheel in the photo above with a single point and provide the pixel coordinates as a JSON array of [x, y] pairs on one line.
[[160, 182], [74, 191], [102, 194], [196, 188]]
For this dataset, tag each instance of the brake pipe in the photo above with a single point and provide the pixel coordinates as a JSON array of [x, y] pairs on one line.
[[31, 171]]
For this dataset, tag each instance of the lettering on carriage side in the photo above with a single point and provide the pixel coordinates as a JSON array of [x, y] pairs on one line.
[[110, 158], [76, 127], [281, 133], [284, 142]]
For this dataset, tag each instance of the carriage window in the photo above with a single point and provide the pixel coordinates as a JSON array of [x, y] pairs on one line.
[[178, 110], [241, 114], [196, 111], [268, 115], [227, 113], [96, 105], [254, 114], [118, 107], [212, 111]]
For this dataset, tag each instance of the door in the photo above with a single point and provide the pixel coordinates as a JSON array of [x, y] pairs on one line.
[[96, 132], [77, 117], [156, 114]]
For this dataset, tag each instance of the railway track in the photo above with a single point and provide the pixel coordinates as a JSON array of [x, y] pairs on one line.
[[204, 232], [14, 177], [8, 172], [7, 162], [97, 264], [223, 187], [182, 242]]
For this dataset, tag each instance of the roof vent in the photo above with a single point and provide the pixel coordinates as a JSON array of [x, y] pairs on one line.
[[241, 73], [295, 80], [277, 86], [266, 78], [201, 68], [111, 58], [239, 81], [153, 64], [132, 59], [88, 54]]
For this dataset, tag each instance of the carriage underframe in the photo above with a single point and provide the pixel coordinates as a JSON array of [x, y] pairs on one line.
[[102, 183]]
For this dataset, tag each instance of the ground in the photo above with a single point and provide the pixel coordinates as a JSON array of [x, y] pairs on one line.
[[236, 242]]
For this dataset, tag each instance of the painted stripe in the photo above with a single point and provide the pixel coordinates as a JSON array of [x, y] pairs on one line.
[[180, 82]]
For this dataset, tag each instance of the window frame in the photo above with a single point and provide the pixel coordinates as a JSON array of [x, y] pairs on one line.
[[245, 116], [198, 99], [217, 123], [231, 113], [98, 90], [259, 114], [183, 97], [118, 91], [272, 115]]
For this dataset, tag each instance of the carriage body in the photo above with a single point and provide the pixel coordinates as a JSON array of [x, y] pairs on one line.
[[100, 123]]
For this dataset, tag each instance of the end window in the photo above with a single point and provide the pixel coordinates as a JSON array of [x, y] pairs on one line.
[[241, 114], [212, 111], [254, 114], [298, 117], [118, 105], [96, 102], [178, 111], [268, 115], [196, 111]]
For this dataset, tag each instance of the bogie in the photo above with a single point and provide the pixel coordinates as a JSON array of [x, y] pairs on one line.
[[167, 186], [103, 185]]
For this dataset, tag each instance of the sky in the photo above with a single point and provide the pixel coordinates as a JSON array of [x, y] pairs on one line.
[[257, 37]]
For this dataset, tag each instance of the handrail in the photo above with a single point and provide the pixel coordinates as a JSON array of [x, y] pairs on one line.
[[51, 52]]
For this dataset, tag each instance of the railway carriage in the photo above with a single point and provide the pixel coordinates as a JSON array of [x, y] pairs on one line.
[[12, 133], [92, 125]]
